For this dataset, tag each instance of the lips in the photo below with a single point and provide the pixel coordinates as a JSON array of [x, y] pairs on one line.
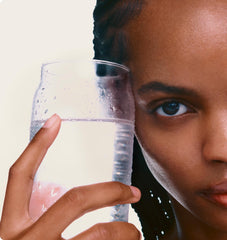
[[217, 194]]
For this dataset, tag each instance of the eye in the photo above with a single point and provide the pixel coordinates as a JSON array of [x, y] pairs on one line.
[[171, 108]]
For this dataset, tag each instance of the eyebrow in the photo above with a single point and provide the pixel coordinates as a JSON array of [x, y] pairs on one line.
[[162, 87]]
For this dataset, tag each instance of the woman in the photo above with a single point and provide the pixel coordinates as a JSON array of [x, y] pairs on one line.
[[177, 53]]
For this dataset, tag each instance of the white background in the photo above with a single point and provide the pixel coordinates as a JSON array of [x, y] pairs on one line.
[[33, 32]]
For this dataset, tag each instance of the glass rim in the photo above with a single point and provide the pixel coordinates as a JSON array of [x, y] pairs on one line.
[[99, 61]]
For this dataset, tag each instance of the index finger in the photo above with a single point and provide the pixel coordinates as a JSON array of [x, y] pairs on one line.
[[22, 172], [81, 200]]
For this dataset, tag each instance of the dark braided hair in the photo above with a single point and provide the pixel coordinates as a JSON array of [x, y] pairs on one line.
[[110, 43]]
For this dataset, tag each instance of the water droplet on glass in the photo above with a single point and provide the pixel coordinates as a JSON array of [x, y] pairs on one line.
[[102, 93], [44, 208], [39, 186], [53, 192], [113, 109], [46, 111]]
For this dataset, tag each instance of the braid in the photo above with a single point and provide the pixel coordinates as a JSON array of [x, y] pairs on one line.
[[154, 209], [110, 43]]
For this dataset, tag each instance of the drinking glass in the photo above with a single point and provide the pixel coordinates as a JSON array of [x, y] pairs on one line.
[[95, 142]]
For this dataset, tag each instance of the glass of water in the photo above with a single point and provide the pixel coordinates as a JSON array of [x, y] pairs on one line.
[[95, 142]]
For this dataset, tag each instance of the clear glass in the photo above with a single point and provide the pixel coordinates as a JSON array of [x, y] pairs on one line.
[[95, 143]]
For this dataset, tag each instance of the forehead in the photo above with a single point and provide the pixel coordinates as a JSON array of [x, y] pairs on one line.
[[178, 32]]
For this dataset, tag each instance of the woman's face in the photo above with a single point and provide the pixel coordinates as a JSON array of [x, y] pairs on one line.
[[178, 59]]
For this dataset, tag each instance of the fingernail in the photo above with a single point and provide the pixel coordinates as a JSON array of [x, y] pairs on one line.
[[51, 121], [141, 236], [135, 191]]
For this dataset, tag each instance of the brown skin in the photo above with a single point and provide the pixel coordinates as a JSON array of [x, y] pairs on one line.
[[16, 223], [184, 44]]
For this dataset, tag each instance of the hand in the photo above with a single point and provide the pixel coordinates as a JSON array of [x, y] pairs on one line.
[[16, 224]]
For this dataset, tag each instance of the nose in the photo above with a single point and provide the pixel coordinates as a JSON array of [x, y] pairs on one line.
[[214, 147]]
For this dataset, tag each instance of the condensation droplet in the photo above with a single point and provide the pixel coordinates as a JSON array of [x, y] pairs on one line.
[[53, 193], [39, 186], [43, 208]]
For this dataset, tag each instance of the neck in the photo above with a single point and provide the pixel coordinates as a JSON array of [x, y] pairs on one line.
[[189, 227]]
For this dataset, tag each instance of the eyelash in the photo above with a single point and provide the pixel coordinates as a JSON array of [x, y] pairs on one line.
[[181, 107]]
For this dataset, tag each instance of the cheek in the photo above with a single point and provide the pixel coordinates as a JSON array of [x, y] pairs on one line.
[[172, 155]]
